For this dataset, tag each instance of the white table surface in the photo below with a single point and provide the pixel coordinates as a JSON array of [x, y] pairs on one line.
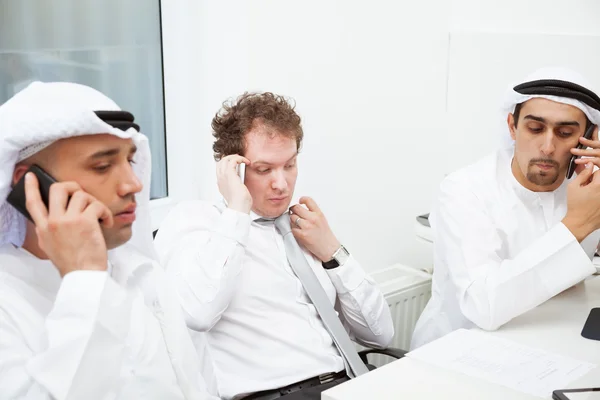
[[554, 326]]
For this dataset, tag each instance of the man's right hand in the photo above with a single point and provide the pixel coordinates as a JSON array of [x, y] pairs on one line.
[[583, 203], [232, 188], [68, 231]]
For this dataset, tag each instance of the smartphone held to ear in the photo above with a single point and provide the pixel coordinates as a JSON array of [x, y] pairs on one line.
[[16, 197], [588, 135], [241, 171]]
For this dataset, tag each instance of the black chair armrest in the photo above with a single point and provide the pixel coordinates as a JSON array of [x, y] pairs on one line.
[[390, 351]]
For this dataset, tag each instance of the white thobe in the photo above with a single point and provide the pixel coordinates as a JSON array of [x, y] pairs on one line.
[[499, 249], [91, 334]]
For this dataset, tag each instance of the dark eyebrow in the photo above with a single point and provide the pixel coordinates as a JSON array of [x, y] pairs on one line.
[[111, 152], [105, 153], [542, 120], [568, 123], [533, 117]]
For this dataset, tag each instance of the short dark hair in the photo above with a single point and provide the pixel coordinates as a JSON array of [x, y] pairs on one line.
[[235, 119]]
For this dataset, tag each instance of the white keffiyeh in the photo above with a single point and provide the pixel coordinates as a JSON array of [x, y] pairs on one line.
[[41, 114], [512, 98]]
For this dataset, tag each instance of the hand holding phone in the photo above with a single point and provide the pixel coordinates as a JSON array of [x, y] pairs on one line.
[[572, 165], [66, 222], [230, 179], [583, 203]]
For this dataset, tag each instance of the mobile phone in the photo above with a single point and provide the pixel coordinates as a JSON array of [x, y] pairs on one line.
[[577, 394], [241, 171], [16, 197], [591, 329], [588, 135]]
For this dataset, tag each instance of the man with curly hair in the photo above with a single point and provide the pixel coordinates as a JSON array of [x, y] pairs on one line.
[[267, 337]]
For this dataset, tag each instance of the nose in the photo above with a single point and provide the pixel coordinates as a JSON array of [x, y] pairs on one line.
[[548, 146], [129, 183], [279, 183]]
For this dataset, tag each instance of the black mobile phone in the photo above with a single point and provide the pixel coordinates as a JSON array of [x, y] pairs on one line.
[[588, 135], [577, 394], [16, 197], [591, 329]]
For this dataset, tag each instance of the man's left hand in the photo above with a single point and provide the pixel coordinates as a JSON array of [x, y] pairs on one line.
[[311, 230]]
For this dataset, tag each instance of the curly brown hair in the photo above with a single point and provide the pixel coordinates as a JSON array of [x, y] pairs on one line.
[[235, 119]]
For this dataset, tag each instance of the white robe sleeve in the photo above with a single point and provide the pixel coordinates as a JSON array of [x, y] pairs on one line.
[[490, 290], [85, 334]]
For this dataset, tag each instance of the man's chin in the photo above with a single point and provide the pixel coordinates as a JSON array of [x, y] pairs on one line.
[[272, 211], [117, 237], [543, 179]]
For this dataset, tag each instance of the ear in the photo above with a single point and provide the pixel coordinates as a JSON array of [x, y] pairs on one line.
[[511, 126], [20, 170]]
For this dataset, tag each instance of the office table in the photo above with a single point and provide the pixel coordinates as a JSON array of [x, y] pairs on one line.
[[554, 326]]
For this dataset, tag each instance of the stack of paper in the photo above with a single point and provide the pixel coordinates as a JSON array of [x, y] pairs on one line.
[[526, 369]]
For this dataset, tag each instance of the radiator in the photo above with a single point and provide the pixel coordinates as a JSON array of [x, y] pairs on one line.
[[406, 291]]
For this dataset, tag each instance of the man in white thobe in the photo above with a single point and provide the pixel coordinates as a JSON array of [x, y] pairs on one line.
[[85, 312], [510, 231]]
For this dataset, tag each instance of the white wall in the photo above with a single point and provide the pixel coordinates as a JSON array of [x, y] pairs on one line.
[[372, 81]]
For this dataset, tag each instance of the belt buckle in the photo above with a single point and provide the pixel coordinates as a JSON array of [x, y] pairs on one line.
[[326, 378]]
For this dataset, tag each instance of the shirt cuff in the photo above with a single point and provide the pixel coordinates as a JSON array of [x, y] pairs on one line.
[[234, 225], [569, 266], [347, 277]]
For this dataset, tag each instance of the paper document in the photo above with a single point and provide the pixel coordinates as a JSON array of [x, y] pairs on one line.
[[501, 361]]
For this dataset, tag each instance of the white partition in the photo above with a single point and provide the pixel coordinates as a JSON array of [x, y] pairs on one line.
[[480, 68]]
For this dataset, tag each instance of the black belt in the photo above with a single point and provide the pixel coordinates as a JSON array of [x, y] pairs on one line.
[[294, 387]]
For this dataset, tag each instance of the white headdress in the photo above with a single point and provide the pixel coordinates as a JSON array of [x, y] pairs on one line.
[[513, 97], [41, 114]]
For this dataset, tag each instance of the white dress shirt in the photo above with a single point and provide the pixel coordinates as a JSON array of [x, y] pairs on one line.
[[90, 335], [499, 249], [235, 283]]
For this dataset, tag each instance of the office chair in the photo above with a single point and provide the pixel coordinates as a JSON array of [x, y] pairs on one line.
[[390, 351]]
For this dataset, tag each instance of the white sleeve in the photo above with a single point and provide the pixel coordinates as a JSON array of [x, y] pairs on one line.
[[85, 335], [490, 290], [363, 308], [203, 249]]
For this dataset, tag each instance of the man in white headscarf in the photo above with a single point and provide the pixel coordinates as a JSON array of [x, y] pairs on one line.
[[85, 312], [511, 231]]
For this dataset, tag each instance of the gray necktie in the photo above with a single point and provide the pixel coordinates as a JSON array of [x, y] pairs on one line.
[[316, 293]]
